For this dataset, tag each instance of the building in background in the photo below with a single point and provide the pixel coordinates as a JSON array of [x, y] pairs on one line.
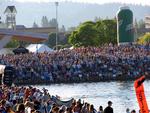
[[10, 13], [147, 21]]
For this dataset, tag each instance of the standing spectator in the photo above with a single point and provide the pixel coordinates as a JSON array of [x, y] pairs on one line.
[[108, 109], [100, 109], [9, 108], [2, 106], [92, 109], [21, 108], [133, 111], [127, 110]]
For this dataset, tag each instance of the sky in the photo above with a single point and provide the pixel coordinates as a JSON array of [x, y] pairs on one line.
[[142, 2], [27, 13]]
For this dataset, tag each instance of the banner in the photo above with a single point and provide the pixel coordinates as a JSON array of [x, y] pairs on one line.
[[139, 89]]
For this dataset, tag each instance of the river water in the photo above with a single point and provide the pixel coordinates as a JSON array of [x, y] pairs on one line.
[[122, 94]]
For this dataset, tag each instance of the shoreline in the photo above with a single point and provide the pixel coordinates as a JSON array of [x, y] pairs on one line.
[[94, 80]]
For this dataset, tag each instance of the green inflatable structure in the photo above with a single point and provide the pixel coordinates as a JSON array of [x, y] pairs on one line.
[[125, 31]]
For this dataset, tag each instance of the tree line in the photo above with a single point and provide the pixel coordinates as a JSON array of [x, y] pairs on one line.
[[102, 32], [45, 22]]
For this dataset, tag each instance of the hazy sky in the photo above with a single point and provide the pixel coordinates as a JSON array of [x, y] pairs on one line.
[[27, 13], [143, 2]]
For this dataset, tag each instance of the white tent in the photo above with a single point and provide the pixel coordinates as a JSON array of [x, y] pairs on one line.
[[71, 48], [5, 51], [40, 48]]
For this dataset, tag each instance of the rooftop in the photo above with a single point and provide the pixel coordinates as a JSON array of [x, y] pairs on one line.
[[10, 9]]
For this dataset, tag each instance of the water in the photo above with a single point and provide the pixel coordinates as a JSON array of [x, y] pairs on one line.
[[122, 94]]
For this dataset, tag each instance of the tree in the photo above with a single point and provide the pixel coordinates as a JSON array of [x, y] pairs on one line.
[[141, 24], [97, 19], [135, 23], [73, 39], [35, 25], [53, 22], [44, 22], [62, 40], [85, 35], [110, 31], [145, 39], [62, 29], [135, 29], [51, 42], [13, 44], [100, 29], [94, 34], [107, 30]]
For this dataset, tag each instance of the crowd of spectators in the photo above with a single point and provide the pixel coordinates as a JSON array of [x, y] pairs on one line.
[[107, 62], [32, 100]]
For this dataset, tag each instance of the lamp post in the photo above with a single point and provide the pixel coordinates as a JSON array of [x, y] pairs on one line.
[[56, 3]]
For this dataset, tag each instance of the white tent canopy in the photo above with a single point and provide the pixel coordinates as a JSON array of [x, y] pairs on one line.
[[2, 68], [5, 51], [40, 48]]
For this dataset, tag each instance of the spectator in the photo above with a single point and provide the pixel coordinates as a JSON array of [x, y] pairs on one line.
[[100, 109], [108, 109], [133, 111], [127, 110]]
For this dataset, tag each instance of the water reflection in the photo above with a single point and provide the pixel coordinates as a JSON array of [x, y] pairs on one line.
[[122, 94]]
